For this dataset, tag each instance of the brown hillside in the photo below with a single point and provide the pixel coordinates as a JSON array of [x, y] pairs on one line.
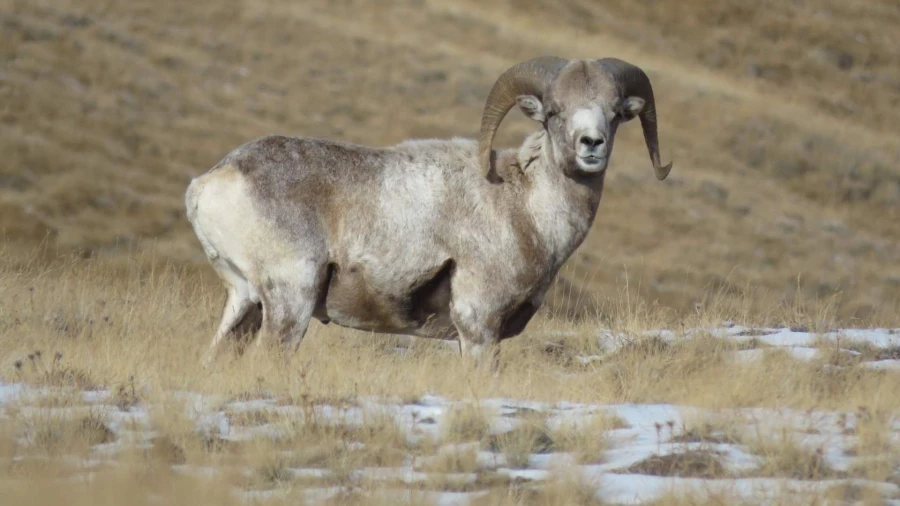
[[781, 117]]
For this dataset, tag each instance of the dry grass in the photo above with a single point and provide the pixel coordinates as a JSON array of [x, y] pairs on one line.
[[108, 489], [155, 323], [782, 455], [704, 499], [853, 494], [709, 428], [147, 349], [454, 459], [179, 441], [32, 369], [873, 430], [690, 463], [466, 423], [559, 490], [529, 437], [55, 434], [587, 439], [340, 449]]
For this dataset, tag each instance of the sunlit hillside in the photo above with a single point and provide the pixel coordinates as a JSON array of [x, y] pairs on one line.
[[781, 119]]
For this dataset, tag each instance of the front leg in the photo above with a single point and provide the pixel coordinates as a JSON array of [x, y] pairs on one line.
[[479, 332], [480, 355]]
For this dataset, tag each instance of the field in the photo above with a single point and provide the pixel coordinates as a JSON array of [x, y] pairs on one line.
[[101, 395], [726, 336]]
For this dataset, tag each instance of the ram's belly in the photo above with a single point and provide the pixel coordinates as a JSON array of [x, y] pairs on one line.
[[415, 302]]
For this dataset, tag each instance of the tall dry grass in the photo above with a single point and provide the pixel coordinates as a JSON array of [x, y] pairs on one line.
[[77, 324], [131, 328]]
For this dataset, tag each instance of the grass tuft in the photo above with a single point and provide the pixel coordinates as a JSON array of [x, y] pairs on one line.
[[690, 463], [783, 456], [466, 423], [55, 434]]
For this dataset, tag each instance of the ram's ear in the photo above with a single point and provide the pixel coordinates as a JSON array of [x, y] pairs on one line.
[[631, 107], [532, 107]]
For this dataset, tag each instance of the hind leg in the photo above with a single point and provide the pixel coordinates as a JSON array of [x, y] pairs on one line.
[[237, 304], [289, 302], [239, 300], [286, 321]]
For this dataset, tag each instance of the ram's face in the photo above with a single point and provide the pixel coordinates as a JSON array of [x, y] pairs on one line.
[[582, 111]]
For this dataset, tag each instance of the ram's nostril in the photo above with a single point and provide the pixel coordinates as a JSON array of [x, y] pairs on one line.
[[590, 142]]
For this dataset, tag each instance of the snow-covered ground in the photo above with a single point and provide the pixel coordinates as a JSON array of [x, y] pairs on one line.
[[799, 343], [623, 475]]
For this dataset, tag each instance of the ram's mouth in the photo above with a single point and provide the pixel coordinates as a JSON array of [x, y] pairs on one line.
[[592, 163]]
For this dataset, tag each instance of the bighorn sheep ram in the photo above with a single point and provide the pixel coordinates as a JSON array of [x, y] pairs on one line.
[[431, 238]]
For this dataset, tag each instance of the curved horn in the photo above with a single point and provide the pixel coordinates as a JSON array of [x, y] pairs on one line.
[[633, 82], [530, 77]]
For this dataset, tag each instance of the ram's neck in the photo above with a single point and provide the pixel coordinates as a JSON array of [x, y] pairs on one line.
[[561, 208]]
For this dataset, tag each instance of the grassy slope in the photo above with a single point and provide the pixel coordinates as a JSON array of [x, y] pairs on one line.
[[780, 120]]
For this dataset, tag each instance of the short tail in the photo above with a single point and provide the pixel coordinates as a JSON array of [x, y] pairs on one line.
[[192, 203]]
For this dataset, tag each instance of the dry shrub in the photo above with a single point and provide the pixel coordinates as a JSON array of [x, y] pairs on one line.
[[179, 440], [269, 473], [125, 395], [560, 343], [458, 481], [311, 442], [253, 417], [453, 459], [377, 495], [697, 499], [643, 368], [853, 493], [52, 398], [34, 369], [57, 433], [867, 351], [715, 429], [567, 490], [689, 463], [874, 431], [530, 436], [465, 423], [107, 488], [166, 451], [587, 438], [8, 439], [782, 456]]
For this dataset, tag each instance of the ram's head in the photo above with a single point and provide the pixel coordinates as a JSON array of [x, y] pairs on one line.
[[580, 103]]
